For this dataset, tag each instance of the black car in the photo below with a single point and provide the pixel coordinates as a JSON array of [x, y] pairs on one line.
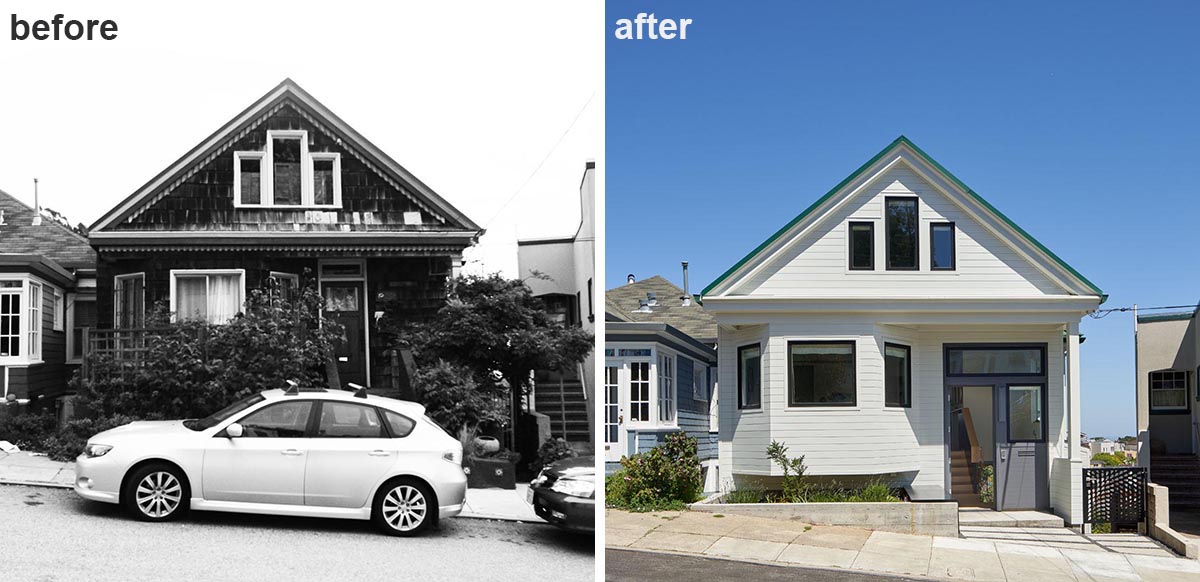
[[564, 494]]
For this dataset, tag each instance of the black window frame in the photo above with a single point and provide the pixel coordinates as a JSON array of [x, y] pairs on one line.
[[887, 237], [741, 404], [1045, 402], [951, 347], [850, 244], [953, 246], [1187, 392], [907, 373], [853, 374]]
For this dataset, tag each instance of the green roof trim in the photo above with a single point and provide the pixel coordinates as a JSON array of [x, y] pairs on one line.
[[1180, 316], [924, 156]]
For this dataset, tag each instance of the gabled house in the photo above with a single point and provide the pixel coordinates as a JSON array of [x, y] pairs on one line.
[[659, 372], [902, 328], [288, 194], [568, 267], [47, 302], [1168, 405]]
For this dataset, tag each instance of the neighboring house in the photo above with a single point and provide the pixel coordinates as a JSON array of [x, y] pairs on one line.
[[659, 371], [47, 302], [569, 266], [1103, 446], [1168, 404], [903, 328], [287, 194]]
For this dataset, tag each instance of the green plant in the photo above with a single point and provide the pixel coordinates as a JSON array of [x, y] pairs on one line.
[[987, 484], [554, 450], [1101, 528], [794, 483], [456, 400], [876, 491], [667, 477]]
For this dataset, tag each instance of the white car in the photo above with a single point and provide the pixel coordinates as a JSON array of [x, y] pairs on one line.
[[305, 453]]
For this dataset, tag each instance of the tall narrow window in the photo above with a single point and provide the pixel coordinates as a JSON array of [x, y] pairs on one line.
[[941, 246], [612, 407], [322, 181], [57, 305], [897, 369], [129, 300], [34, 343], [901, 216], [10, 321], [750, 376], [862, 246], [286, 159], [639, 391], [1025, 414], [821, 374], [666, 388], [81, 318], [249, 177]]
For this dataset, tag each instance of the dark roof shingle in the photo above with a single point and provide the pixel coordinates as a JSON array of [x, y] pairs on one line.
[[18, 235], [621, 303]]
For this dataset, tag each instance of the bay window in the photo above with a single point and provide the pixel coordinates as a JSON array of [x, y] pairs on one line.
[[215, 296], [666, 388], [23, 304]]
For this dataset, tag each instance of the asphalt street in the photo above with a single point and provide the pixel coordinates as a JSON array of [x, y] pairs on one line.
[[626, 565], [52, 535]]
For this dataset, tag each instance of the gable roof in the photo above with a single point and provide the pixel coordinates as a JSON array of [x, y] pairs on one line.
[[50, 239], [621, 304], [897, 144], [290, 92]]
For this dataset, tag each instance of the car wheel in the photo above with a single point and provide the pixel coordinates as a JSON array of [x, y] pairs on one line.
[[157, 492], [404, 507]]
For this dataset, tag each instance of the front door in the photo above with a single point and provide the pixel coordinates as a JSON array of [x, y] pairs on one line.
[[614, 420], [345, 304], [1021, 453]]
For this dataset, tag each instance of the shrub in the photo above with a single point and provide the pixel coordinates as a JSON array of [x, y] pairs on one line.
[[554, 450], [746, 494], [987, 484], [68, 443], [664, 478], [795, 485], [27, 430], [876, 491], [454, 398]]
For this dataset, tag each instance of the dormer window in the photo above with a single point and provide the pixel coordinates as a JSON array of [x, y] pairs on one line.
[[287, 174]]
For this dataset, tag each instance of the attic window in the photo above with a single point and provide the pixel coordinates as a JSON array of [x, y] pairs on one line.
[[901, 223], [287, 174]]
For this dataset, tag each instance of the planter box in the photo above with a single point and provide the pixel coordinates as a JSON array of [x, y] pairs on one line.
[[484, 473], [932, 518]]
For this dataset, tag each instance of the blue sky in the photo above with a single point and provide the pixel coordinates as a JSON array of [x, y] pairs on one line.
[[1080, 121]]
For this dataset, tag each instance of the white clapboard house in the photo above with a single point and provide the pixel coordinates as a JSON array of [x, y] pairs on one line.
[[903, 328]]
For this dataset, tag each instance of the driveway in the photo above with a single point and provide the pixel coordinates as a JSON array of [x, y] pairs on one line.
[[53, 535]]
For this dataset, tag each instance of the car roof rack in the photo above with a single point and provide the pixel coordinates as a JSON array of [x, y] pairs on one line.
[[292, 389], [359, 391]]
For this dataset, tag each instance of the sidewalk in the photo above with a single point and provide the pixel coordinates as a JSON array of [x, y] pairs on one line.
[[22, 468], [1015, 554]]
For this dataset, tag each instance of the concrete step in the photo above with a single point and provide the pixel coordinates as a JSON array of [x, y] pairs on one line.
[[968, 499], [983, 517]]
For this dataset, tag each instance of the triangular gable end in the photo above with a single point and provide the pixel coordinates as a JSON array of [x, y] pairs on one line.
[[903, 153], [290, 98]]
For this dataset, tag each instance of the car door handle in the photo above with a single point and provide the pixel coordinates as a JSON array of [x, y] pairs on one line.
[[379, 453], [292, 452]]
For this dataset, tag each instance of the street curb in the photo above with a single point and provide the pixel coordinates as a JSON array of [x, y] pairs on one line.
[[36, 484], [887, 575], [501, 518]]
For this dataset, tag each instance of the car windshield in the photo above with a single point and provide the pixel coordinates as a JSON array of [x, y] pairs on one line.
[[216, 417]]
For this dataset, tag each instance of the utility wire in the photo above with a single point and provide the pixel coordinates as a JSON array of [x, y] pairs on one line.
[[1102, 313]]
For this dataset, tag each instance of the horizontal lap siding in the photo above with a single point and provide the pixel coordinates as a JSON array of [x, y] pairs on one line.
[[817, 264], [743, 435]]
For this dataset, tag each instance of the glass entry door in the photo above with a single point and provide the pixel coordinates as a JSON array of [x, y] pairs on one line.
[[614, 429]]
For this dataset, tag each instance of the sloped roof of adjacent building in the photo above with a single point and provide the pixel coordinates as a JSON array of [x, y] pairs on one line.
[[621, 304], [902, 146], [50, 239]]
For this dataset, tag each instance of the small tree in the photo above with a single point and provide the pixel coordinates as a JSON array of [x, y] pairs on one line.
[[795, 485]]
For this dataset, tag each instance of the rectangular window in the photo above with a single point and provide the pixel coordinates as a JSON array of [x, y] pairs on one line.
[[639, 392], [612, 407], [322, 181], [248, 179], [57, 305], [591, 303], [10, 322], [284, 286], [750, 376], [941, 246], [34, 343], [81, 319], [902, 233], [1169, 390], [286, 159], [1025, 421], [897, 369], [666, 388], [212, 296], [992, 361], [129, 300], [700, 382], [862, 246], [821, 374]]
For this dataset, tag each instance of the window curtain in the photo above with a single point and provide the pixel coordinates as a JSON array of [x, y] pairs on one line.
[[191, 297], [225, 297]]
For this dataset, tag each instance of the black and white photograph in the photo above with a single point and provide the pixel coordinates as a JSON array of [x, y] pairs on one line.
[[299, 291]]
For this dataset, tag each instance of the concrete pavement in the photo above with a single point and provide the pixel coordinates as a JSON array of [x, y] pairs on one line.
[[1011, 554]]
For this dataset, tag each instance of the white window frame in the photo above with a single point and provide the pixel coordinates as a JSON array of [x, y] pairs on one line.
[[666, 376], [267, 173], [72, 300], [650, 401], [176, 273], [33, 331], [59, 314], [699, 381], [21, 334], [1186, 390], [118, 284]]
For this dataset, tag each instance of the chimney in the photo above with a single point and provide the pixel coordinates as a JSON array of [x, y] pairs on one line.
[[687, 297], [37, 208], [630, 279]]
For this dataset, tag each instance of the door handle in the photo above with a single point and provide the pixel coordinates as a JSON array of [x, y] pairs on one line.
[[379, 453], [292, 452]]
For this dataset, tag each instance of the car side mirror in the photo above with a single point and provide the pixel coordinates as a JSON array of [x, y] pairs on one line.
[[233, 431]]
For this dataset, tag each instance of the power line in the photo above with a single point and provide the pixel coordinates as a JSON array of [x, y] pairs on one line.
[[1102, 313]]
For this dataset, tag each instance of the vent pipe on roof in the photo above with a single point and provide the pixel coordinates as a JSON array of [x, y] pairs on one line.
[[651, 298], [630, 279], [37, 209], [687, 297], [644, 306]]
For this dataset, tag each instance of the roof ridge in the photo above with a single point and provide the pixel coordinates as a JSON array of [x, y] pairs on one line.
[[64, 227]]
